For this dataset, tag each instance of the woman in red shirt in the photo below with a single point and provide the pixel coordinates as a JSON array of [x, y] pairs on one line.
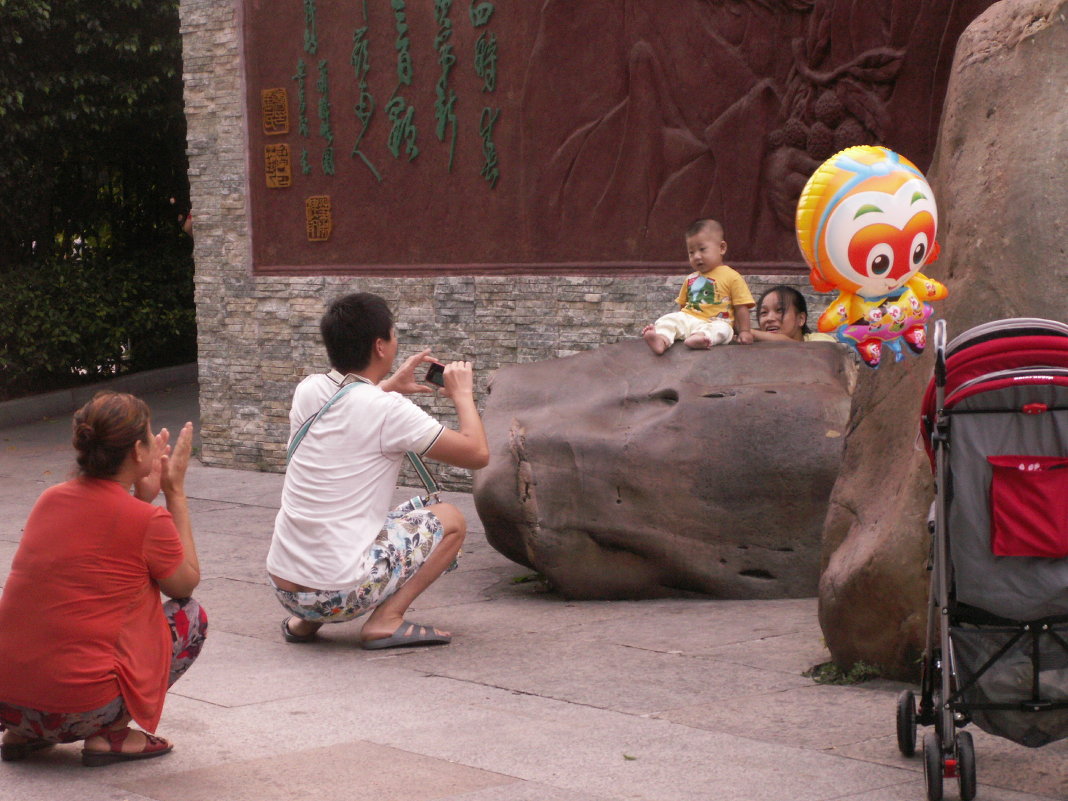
[[86, 644]]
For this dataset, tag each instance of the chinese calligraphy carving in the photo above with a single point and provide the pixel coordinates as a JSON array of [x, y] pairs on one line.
[[318, 219], [275, 106], [277, 166], [486, 69]]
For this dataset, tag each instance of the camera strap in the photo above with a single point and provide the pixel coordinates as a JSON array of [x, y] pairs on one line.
[[345, 384]]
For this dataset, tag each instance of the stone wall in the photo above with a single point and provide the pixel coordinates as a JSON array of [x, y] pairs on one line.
[[258, 335]]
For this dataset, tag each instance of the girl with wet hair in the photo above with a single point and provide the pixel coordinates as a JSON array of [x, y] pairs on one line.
[[86, 644]]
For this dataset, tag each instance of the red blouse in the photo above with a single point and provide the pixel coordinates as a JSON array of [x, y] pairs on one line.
[[81, 621]]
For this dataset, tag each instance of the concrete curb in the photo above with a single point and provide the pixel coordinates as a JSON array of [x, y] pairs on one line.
[[64, 401]]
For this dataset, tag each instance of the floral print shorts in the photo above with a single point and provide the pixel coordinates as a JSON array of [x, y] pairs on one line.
[[411, 532], [188, 623]]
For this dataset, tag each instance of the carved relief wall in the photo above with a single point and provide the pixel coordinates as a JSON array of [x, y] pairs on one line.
[[555, 232], [419, 137]]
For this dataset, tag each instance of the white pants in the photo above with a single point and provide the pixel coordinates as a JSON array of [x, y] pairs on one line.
[[680, 325]]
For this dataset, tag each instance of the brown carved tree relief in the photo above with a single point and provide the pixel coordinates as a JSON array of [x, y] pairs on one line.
[[609, 126]]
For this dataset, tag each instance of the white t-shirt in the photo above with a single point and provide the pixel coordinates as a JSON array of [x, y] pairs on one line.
[[340, 482]]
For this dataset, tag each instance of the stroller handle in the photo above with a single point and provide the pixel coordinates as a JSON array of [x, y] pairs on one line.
[[940, 352]]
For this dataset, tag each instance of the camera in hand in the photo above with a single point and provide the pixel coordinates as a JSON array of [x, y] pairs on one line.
[[436, 374]]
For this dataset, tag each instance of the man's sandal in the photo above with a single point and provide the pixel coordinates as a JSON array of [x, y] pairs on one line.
[[289, 636], [408, 635], [154, 747]]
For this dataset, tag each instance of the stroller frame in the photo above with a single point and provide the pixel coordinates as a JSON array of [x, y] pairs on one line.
[[948, 700]]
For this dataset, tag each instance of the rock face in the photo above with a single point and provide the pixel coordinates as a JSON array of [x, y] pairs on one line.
[[999, 179], [619, 474]]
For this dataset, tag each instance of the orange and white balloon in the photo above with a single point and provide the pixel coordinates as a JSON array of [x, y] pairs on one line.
[[866, 223]]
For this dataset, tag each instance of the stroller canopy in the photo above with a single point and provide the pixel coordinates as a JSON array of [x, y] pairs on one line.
[[1004, 420]]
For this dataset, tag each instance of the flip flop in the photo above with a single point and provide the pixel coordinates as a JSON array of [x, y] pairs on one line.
[[289, 636], [15, 752], [407, 635]]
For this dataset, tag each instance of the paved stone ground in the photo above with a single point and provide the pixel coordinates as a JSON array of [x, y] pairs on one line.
[[536, 699]]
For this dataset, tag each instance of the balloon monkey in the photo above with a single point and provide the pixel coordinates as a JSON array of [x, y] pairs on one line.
[[866, 224]]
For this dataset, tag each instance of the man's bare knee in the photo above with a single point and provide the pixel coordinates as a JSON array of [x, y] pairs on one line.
[[452, 519]]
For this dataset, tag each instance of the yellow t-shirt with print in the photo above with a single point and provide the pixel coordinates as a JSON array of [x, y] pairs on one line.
[[714, 294]]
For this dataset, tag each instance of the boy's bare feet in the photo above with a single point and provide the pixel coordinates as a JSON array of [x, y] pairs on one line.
[[698, 341], [657, 344]]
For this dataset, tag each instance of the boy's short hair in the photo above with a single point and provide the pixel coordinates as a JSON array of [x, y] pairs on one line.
[[350, 327], [697, 226]]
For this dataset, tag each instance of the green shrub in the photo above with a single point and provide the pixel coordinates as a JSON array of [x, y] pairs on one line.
[[95, 276], [67, 321]]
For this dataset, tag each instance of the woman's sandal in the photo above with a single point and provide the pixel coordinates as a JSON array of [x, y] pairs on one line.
[[154, 747], [15, 752]]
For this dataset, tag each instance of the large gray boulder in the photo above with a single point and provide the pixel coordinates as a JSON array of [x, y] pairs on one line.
[[999, 176], [619, 474]]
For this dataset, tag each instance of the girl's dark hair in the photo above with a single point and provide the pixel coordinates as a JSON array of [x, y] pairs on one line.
[[350, 327], [788, 296], [105, 430]]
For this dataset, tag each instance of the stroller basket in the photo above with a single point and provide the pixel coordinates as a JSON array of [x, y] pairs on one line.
[[1012, 679]]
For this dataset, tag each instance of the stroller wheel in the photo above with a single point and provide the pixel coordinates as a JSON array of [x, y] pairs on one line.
[[966, 766], [906, 723], [932, 766]]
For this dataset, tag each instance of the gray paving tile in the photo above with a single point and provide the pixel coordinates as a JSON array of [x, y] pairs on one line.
[[793, 653], [576, 749], [537, 696], [356, 770], [61, 778], [234, 486], [244, 607], [606, 753], [235, 670], [527, 791], [916, 790], [815, 717], [999, 763], [236, 556], [598, 673], [527, 608]]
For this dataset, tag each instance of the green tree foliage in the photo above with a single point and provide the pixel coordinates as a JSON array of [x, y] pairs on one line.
[[92, 134]]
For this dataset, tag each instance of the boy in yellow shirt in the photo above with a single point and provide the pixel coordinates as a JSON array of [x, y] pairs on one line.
[[713, 299]]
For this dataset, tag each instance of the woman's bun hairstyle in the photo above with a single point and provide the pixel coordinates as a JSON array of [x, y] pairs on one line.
[[105, 430]]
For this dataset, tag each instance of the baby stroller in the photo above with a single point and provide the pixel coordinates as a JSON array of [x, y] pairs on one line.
[[995, 424]]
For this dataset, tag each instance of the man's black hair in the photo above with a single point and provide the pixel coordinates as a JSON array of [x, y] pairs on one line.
[[350, 327]]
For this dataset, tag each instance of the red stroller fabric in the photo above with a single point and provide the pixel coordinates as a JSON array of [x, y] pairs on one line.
[[1029, 506]]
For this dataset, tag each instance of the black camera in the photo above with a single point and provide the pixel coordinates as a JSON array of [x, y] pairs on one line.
[[436, 374]]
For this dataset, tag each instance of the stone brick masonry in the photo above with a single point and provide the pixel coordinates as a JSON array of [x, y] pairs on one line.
[[258, 335]]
